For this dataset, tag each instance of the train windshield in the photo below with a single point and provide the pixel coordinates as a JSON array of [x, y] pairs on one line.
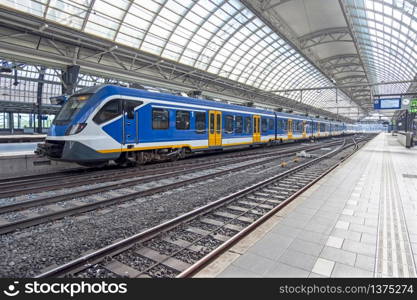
[[70, 109]]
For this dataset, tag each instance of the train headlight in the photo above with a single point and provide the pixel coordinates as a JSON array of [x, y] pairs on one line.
[[76, 128]]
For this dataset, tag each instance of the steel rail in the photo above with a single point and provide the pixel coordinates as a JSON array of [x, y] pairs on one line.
[[36, 220], [20, 188], [210, 257], [136, 180], [115, 248]]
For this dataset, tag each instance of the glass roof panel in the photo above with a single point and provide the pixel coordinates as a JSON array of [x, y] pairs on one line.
[[225, 38], [386, 32], [36, 8]]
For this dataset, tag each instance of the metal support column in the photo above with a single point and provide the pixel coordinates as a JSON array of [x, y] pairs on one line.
[[39, 98], [337, 106], [406, 121], [11, 123], [69, 79]]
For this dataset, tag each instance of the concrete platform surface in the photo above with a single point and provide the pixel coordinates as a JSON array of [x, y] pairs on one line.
[[358, 221], [9, 149], [21, 138]]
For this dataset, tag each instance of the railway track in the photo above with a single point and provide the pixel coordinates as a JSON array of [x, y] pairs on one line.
[[182, 246], [30, 184], [62, 175], [26, 186], [46, 209]]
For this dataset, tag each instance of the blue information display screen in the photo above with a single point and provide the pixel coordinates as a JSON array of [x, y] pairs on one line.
[[387, 103]]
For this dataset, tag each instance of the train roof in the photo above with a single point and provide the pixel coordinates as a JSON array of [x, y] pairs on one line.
[[188, 100]]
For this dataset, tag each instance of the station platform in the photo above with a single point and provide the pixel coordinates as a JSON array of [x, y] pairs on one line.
[[19, 159], [358, 221], [22, 138], [13, 149]]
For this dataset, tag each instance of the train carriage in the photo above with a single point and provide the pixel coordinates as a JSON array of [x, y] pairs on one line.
[[113, 123]]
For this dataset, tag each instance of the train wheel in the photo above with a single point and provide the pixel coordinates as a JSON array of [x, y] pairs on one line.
[[93, 164], [183, 153], [174, 157]]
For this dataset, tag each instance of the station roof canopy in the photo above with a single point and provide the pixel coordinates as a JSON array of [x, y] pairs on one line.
[[272, 45], [353, 42]]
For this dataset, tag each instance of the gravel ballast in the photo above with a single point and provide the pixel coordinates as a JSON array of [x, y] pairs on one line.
[[28, 252]]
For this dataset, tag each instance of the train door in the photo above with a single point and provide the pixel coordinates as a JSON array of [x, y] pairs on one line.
[[318, 128], [130, 121], [304, 129], [289, 128], [256, 129], [215, 128]]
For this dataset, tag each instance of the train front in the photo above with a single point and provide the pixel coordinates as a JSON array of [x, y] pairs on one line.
[[72, 137], [67, 123]]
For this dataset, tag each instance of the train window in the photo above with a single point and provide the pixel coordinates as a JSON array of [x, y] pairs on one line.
[[109, 111], [300, 126], [280, 125], [130, 106], [248, 125], [239, 124], [271, 124], [160, 118], [229, 124], [200, 122], [70, 109], [264, 124], [218, 123], [211, 123], [182, 120]]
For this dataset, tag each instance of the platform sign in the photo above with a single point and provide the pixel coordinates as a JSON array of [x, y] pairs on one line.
[[387, 103], [413, 106]]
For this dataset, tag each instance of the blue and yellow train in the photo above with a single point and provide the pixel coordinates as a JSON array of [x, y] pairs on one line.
[[112, 123]]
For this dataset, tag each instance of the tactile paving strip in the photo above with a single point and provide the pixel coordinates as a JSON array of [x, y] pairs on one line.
[[394, 255]]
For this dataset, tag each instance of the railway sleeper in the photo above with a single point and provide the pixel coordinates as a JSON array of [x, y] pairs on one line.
[[295, 179], [263, 199], [290, 189], [280, 191], [262, 194], [210, 221], [233, 216], [272, 191], [121, 269], [184, 244], [219, 237], [296, 185], [266, 206], [300, 177], [243, 209], [298, 182], [305, 175], [163, 259], [280, 197]]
